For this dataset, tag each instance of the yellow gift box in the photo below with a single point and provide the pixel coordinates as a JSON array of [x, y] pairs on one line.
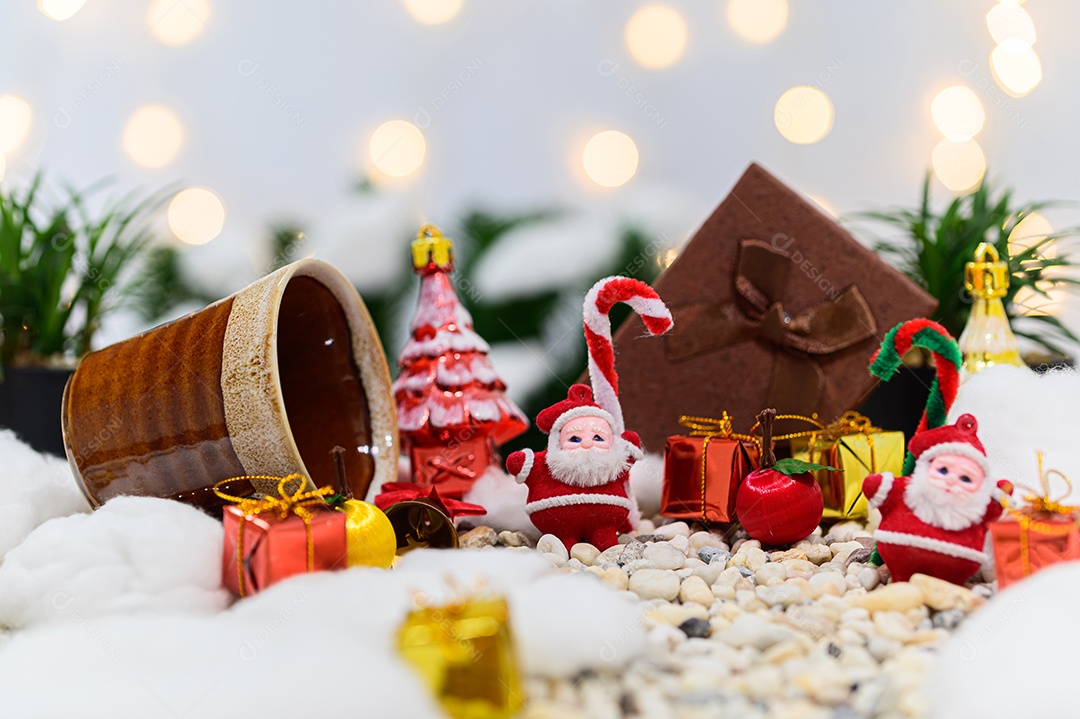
[[465, 653], [857, 449]]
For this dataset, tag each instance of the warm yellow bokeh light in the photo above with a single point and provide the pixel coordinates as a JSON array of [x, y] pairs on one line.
[[803, 115], [758, 21], [1016, 67], [958, 113], [15, 117], [60, 10], [196, 215], [656, 36], [153, 136], [1029, 231], [433, 12], [959, 165], [1007, 22], [1030, 303], [178, 22], [397, 148], [610, 158], [823, 205]]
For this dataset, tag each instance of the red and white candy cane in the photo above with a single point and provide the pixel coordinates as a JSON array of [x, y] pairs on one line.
[[598, 303]]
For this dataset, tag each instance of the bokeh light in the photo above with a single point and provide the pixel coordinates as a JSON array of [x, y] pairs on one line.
[[397, 148], [959, 166], [656, 36], [3, 165], [153, 136], [196, 215], [1007, 22], [958, 113], [60, 10], [610, 158], [757, 21], [178, 22], [433, 12], [15, 117], [1031, 230], [825, 207], [803, 115], [1016, 67], [1031, 303]]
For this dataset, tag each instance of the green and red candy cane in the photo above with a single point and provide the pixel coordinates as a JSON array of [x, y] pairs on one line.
[[887, 360]]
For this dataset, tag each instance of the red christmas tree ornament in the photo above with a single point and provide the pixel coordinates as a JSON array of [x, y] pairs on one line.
[[781, 502], [452, 406]]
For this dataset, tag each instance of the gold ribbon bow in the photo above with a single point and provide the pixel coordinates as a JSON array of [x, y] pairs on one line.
[[281, 506], [1041, 504], [849, 423], [757, 313]]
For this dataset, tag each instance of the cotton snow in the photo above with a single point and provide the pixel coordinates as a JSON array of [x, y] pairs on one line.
[[1020, 412], [504, 499], [135, 554], [1014, 657], [34, 488]]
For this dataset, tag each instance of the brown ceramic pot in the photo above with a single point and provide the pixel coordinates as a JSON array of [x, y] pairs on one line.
[[264, 382]]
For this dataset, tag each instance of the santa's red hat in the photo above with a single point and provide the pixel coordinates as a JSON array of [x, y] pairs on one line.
[[959, 438], [578, 403]]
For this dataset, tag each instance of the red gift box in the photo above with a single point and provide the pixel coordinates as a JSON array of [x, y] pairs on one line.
[[289, 531], [702, 472], [1035, 537], [263, 549]]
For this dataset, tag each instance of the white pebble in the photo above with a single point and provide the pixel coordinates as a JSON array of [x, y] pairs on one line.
[[868, 578], [638, 564], [699, 540], [668, 531], [550, 544], [584, 553], [694, 589], [681, 543], [750, 630], [828, 579], [655, 584], [782, 595], [665, 555], [555, 559], [771, 573]]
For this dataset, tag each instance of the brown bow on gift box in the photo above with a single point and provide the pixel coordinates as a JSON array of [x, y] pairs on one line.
[[756, 313]]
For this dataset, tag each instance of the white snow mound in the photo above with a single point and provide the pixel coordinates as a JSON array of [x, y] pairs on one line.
[[1029, 633], [1020, 412], [34, 488], [135, 554]]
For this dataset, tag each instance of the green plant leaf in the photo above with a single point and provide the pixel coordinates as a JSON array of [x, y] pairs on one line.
[[791, 467]]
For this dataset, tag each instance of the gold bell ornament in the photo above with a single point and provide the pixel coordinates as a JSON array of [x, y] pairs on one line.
[[987, 339]]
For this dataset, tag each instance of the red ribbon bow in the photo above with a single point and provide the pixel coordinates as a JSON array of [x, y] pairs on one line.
[[394, 492]]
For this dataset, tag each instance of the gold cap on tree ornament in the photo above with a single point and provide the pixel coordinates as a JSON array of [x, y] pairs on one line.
[[431, 250], [988, 275]]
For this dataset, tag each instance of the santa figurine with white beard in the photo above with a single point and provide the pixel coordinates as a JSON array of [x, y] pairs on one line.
[[579, 487], [934, 522]]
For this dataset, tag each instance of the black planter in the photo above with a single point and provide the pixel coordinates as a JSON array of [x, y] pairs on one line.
[[30, 400], [897, 405]]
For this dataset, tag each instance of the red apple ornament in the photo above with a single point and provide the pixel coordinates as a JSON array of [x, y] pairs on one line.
[[781, 502]]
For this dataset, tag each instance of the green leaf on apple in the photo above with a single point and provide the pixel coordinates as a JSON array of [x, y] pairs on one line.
[[791, 467]]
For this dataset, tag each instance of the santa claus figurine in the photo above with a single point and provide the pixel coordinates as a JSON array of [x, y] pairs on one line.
[[934, 522], [579, 487]]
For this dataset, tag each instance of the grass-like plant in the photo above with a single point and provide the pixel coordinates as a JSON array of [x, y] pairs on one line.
[[61, 269], [935, 246]]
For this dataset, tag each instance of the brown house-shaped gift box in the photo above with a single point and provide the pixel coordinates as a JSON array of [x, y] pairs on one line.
[[775, 306]]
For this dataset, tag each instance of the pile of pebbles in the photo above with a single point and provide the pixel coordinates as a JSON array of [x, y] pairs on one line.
[[809, 632]]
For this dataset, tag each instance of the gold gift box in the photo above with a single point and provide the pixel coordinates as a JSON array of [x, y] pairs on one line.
[[464, 651], [857, 449]]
